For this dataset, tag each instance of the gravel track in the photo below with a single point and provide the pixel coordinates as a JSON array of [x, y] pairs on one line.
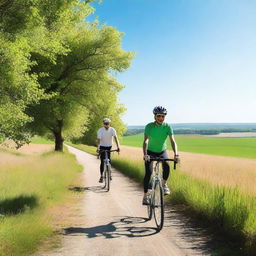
[[114, 222]]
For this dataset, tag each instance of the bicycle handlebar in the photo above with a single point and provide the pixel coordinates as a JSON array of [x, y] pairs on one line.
[[104, 150], [113, 150], [160, 159]]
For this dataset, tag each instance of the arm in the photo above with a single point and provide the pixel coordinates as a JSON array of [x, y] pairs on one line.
[[117, 142], [145, 146], [174, 147], [98, 144], [98, 140]]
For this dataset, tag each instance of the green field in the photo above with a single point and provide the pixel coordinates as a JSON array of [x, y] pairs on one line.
[[237, 147]]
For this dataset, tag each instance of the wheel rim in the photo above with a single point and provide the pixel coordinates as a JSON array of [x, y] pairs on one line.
[[107, 178], [149, 208], [158, 205], [104, 177]]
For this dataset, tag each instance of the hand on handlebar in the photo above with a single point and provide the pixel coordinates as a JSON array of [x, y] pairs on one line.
[[176, 158], [146, 157]]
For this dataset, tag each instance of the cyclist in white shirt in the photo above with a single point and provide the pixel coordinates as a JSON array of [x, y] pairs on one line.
[[104, 141]]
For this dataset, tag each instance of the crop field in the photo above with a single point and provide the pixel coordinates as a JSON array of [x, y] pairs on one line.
[[237, 147], [223, 171]]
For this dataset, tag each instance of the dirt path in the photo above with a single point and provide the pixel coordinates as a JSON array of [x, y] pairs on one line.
[[114, 223]]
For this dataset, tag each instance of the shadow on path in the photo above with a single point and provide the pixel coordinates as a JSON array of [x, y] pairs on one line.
[[95, 189], [125, 227], [198, 234]]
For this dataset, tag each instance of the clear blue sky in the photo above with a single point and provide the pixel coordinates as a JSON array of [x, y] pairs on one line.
[[195, 57]]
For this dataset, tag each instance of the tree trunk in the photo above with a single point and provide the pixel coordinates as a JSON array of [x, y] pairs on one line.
[[58, 137]]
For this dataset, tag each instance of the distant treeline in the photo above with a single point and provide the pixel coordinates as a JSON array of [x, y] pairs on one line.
[[130, 132]]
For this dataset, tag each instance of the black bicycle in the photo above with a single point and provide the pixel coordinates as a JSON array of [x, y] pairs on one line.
[[157, 194], [107, 168]]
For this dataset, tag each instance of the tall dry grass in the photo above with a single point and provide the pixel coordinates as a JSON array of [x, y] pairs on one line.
[[218, 170]]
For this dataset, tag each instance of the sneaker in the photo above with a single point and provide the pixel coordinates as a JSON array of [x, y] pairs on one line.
[[146, 200], [166, 190], [101, 180]]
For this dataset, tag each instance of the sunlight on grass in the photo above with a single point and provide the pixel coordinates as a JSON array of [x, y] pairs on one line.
[[41, 140], [29, 187], [237, 147]]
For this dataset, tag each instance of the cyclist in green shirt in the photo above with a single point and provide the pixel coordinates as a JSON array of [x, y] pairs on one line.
[[154, 145]]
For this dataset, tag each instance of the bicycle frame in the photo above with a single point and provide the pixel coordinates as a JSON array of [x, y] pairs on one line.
[[106, 159], [156, 175], [107, 168]]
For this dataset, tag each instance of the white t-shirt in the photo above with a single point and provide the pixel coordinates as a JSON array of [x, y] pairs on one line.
[[106, 136]]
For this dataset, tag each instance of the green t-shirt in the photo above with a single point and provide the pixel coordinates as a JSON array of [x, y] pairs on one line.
[[157, 136]]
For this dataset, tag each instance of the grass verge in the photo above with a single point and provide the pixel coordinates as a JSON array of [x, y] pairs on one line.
[[86, 148], [27, 193]]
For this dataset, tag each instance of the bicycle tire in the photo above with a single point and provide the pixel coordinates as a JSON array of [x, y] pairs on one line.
[[107, 177], [104, 177], [158, 205], [150, 209]]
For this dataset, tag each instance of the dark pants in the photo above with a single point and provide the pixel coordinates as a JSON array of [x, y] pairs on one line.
[[102, 157], [149, 166]]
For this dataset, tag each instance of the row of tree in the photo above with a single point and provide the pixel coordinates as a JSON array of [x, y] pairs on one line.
[[209, 131], [56, 71]]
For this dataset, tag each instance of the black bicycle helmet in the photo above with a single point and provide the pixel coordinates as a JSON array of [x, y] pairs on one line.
[[159, 110]]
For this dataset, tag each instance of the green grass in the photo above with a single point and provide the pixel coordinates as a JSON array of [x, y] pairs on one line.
[[86, 148], [237, 147], [41, 140], [27, 192]]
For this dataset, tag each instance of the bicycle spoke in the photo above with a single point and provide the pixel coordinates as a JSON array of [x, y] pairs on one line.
[[149, 208], [158, 206], [107, 177]]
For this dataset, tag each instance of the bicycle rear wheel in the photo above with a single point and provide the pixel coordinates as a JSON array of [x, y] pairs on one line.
[[107, 180], [158, 205]]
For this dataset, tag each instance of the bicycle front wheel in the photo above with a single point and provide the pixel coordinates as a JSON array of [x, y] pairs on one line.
[[149, 208], [158, 205], [107, 180]]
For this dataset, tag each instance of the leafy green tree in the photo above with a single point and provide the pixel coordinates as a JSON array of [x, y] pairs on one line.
[[55, 68], [79, 81], [104, 104], [30, 27]]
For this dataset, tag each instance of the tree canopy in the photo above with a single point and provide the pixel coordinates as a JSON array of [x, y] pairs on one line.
[[56, 70]]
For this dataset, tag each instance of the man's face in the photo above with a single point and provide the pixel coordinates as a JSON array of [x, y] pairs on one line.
[[106, 125], [159, 118]]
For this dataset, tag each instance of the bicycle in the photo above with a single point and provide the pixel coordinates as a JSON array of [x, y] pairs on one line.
[[107, 168], [157, 195]]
